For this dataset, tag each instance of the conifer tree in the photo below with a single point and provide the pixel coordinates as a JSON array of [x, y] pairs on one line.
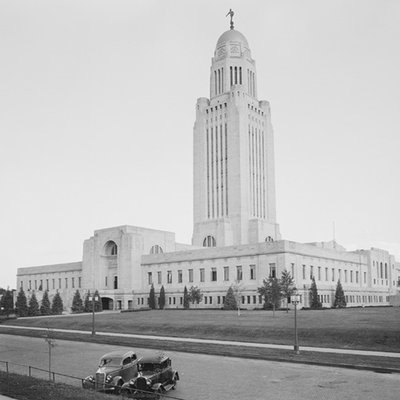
[[7, 302], [314, 302], [186, 300], [77, 304], [21, 305], [33, 308], [230, 300], [88, 304], [340, 300], [45, 308], [161, 301], [152, 298], [271, 291], [287, 286], [57, 305]]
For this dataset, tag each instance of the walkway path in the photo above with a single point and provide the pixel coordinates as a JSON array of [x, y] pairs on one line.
[[218, 342]]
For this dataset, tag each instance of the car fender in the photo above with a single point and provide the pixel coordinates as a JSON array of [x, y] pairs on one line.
[[116, 379], [175, 376], [157, 386]]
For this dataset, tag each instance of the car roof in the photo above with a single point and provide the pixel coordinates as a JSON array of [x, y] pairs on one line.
[[118, 354], [154, 358]]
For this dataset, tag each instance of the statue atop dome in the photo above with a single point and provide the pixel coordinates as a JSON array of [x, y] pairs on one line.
[[231, 14]]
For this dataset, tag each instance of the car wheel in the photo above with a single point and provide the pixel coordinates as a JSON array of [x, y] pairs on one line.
[[118, 387]]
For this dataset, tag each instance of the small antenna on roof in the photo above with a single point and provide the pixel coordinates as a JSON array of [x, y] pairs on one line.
[[231, 14]]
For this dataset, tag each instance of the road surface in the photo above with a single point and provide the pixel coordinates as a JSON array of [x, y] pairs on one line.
[[207, 377]]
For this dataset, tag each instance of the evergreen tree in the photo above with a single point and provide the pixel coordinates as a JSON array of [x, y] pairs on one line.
[[57, 305], [271, 291], [314, 302], [287, 286], [77, 304], [340, 300], [161, 301], [7, 303], [186, 300], [21, 305], [88, 304], [45, 308], [98, 304], [152, 298], [33, 308], [195, 295], [230, 300]]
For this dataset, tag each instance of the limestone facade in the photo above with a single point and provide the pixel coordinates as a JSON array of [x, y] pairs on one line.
[[236, 238]]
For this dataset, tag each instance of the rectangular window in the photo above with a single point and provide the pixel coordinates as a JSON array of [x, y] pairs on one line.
[[41, 285], [345, 275], [73, 283], [365, 277], [311, 271], [205, 299], [248, 299], [326, 274], [226, 273], [47, 284], [304, 271], [201, 274], [59, 283], [66, 283], [80, 282], [190, 275], [180, 276], [333, 274], [292, 269], [340, 275], [239, 273], [272, 270], [356, 276], [30, 285], [149, 278], [252, 272], [159, 277], [351, 276], [22, 285], [169, 276], [106, 281], [35, 284], [54, 283], [213, 274], [210, 299], [169, 299], [319, 273]]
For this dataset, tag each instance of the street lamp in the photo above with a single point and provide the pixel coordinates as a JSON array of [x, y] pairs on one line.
[[295, 299], [93, 299]]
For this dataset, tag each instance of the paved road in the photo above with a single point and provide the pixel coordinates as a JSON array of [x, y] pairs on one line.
[[205, 377]]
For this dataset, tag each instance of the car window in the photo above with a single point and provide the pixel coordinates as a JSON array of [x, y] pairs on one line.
[[134, 357], [126, 361], [109, 362]]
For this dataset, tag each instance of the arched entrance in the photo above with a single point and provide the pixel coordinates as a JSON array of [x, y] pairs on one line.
[[107, 303]]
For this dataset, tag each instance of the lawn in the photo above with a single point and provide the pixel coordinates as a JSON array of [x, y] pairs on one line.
[[356, 328]]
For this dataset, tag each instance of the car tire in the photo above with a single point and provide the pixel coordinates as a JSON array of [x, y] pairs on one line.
[[118, 387]]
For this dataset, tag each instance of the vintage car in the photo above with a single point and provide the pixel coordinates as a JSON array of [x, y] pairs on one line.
[[155, 377], [115, 369]]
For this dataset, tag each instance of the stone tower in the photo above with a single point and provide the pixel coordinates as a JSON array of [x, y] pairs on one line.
[[234, 178]]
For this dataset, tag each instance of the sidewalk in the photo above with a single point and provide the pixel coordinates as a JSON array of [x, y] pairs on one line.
[[218, 342]]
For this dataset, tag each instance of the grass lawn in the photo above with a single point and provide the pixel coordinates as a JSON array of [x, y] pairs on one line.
[[26, 388], [356, 328]]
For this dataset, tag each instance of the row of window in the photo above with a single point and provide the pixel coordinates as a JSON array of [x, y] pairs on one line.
[[37, 284], [381, 269], [213, 275], [343, 275]]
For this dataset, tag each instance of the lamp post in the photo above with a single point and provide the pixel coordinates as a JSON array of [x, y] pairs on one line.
[[295, 299], [93, 299]]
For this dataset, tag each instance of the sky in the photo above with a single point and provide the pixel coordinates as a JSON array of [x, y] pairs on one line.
[[97, 106]]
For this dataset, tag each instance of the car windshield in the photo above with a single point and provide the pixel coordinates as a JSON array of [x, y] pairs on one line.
[[108, 362], [148, 367]]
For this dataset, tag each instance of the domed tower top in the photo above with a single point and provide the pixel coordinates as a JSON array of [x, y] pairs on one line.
[[232, 36]]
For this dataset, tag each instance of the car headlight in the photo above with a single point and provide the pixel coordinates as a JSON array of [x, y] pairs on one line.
[[90, 378], [108, 378]]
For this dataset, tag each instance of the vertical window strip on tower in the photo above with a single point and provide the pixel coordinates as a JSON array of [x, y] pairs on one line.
[[221, 168], [231, 75], [263, 172], [226, 169], [252, 163], [208, 172], [222, 80], [212, 172], [219, 81], [240, 75], [250, 175], [216, 171], [215, 82], [236, 76], [257, 174]]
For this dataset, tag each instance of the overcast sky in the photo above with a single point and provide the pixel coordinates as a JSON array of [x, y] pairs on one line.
[[97, 111]]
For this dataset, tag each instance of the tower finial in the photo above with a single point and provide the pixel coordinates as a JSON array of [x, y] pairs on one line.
[[231, 14]]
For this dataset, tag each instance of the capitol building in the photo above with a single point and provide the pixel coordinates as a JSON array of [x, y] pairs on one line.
[[236, 237]]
